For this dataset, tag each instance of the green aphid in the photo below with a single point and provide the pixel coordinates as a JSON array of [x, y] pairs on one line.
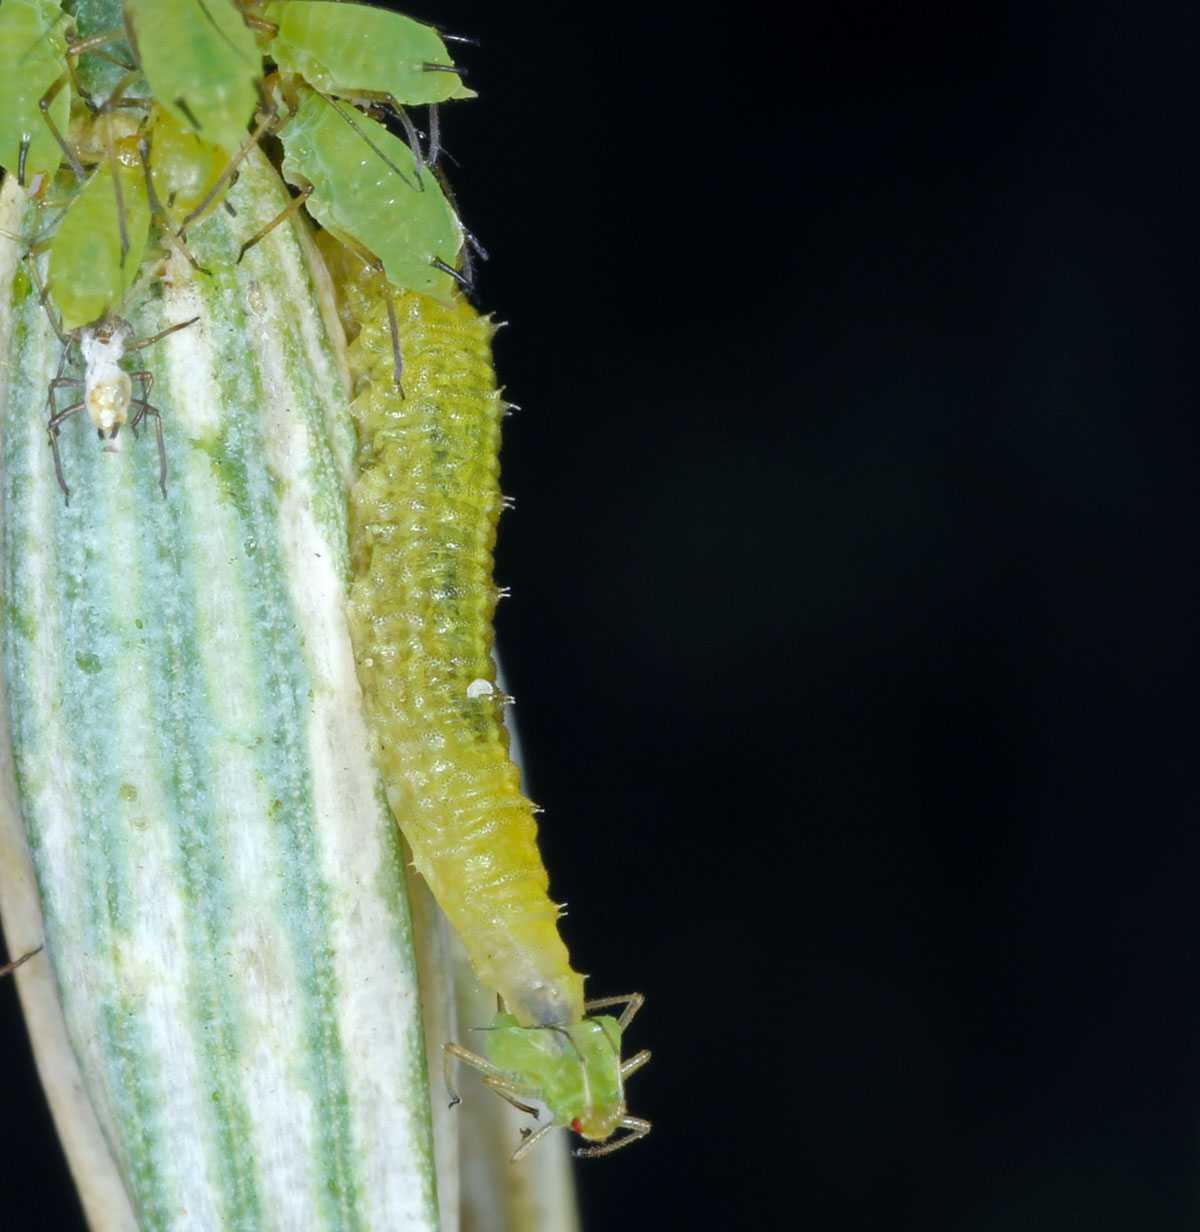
[[97, 249], [35, 87], [574, 1069], [361, 185], [360, 53], [202, 64]]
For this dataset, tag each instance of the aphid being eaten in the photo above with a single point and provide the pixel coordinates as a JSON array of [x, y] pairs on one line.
[[575, 1069]]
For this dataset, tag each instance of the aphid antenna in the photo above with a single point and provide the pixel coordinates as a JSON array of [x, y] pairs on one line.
[[44, 299], [394, 327], [418, 187], [162, 333], [383, 107]]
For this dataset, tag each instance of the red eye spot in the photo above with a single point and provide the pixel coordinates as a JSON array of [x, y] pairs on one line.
[[577, 1125]]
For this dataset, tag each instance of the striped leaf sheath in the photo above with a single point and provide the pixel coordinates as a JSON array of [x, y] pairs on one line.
[[219, 875]]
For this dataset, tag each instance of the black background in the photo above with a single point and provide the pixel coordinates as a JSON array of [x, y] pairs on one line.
[[854, 595]]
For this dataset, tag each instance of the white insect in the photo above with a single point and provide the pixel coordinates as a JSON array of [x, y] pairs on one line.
[[107, 389]]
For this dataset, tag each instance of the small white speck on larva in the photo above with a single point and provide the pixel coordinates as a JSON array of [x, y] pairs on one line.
[[480, 688]]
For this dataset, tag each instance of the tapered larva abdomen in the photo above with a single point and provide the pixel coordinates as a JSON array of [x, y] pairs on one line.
[[423, 523]]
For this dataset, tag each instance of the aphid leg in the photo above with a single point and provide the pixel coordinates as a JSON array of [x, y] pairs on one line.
[[635, 1063], [414, 141], [484, 1066], [162, 333], [44, 105], [394, 326], [433, 153], [57, 419], [283, 215], [9, 968], [637, 1129], [512, 1094], [143, 409], [632, 1002], [529, 1141]]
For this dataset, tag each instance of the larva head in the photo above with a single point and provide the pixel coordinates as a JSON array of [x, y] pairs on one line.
[[575, 1070]]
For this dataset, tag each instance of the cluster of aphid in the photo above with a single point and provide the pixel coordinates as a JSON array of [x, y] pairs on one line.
[[153, 115], [140, 125]]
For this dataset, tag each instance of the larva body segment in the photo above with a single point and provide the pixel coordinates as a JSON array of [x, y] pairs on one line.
[[423, 524]]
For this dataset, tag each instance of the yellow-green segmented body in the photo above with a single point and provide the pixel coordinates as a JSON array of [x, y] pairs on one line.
[[423, 523]]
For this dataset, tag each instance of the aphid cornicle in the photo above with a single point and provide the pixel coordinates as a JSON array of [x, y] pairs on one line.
[[423, 523]]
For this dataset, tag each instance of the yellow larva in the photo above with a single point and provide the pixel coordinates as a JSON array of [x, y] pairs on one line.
[[423, 522]]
